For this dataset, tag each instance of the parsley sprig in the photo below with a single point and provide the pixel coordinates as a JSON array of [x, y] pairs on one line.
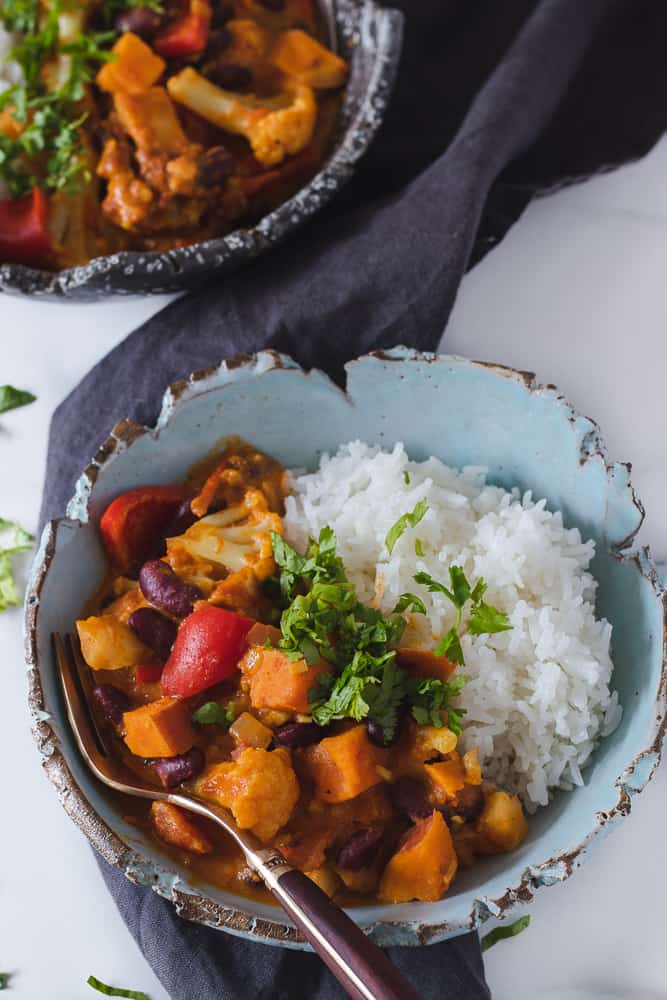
[[323, 620]]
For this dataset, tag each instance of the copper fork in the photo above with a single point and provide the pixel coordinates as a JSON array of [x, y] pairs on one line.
[[358, 964]]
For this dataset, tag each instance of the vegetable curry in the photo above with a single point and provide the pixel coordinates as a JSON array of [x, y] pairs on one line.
[[149, 125], [249, 674]]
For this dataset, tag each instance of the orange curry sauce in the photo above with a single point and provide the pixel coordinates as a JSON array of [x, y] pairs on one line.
[[365, 821]]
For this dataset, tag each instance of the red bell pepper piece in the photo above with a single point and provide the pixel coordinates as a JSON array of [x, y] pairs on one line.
[[133, 525], [208, 647], [187, 34], [24, 234], [148, 673]]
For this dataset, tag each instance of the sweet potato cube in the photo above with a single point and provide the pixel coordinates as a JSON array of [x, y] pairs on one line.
[[344, 766], [259, 787], [300, 55], [161, 728], [134, 69], [109, 644], [502, 822], [424, 663], [175, 827], [447, 777], [278, 682], [424, 865]]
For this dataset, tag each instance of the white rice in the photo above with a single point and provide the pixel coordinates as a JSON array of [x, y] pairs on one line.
[[538, 697]]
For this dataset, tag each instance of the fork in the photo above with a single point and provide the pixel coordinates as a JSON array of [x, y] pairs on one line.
[[358, 964]]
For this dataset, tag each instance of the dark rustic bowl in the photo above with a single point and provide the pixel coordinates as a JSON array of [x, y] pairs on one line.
[[370, 39]]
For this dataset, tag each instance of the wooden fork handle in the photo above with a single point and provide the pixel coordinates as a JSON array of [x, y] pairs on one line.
[[358, 964]]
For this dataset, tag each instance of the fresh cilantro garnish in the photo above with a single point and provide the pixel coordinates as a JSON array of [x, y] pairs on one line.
[[115, 991], [20, 15], [410, 602], [411, 519], [429, 698], [419, 548], [213, 713], [484, 619], [11, 398], [47, 148], [326, 621], [20, 541], [406, 477], [4, 980], [108, 8], [504, 931]]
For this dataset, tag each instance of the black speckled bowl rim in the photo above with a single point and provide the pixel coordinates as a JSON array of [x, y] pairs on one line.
[[370, 38]]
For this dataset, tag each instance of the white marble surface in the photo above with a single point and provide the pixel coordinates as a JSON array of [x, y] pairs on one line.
[[577, 293]]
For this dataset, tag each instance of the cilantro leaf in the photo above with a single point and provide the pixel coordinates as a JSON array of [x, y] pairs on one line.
[[485, 619], [20, 541], [410, 602], [4, 980], [20, 15], [213, 713], [433, 586], [450, 646], [115, 991], [460, 586], [429, 698], [504, 931], [11, 398], [410, 519], [419, 548]]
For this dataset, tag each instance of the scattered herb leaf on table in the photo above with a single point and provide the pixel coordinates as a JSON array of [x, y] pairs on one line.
[[11, 398], [21, 541], [504, 931], [115, 991]]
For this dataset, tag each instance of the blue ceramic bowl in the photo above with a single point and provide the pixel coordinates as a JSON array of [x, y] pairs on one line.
[[468, 412]]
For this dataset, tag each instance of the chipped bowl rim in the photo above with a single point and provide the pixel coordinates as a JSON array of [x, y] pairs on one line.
[[188, 901]]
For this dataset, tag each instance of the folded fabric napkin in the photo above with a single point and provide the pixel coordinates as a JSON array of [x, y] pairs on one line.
[[494, 102]]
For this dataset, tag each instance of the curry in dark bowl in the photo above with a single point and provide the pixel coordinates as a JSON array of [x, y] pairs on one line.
[[151, 127]]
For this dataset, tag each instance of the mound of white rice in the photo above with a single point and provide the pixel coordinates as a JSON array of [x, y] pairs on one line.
[[538, 696]]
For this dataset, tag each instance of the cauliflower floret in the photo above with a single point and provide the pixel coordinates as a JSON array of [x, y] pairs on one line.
[[286, 132], [236, 540], [260, 788], [275, 127]]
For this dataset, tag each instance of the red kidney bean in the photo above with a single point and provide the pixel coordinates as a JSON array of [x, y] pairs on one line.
[[182, 519], [111, 703], [221, 14], [140, 21], [469, 804], [408, 796], [359, 850], [299, 734], [229, 76], [215, 166], [174, 771], [156, 631], [166, 591], [375, 732], [218, 40]]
